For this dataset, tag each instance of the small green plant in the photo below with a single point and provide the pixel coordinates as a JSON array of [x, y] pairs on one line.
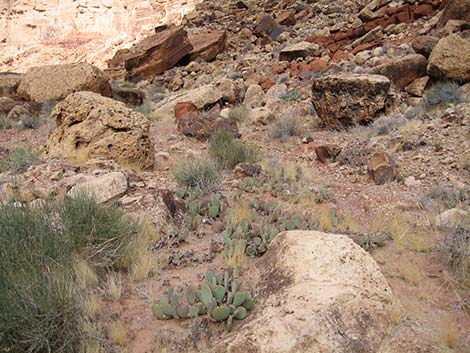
[[220, 296], [442, 93], [291, 96], [239, 113], [20, 160], [286, 127], [127, 84], [228, 151], [201, 174]]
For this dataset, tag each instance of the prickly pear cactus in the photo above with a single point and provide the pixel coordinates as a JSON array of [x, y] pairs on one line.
[[220, 296]]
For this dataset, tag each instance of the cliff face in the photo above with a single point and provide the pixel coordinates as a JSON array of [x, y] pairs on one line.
[[32, 21], [75, 24]]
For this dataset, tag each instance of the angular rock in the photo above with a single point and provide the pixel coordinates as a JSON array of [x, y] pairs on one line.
[[318, 292], [154, 54], [343, 100], [127, 95], [381, 168], [193, 123], [418, 86], [254, 96], [424, 45], [9, 82], [268, 26], [402, 71], [298, 50], [201, 97], [103, 188], [92, 127], [262, 116], [286, 18], [231, 92], [450, 58], [206, 46], [327, 153], [7, 104], [55, 82], [455, 10]]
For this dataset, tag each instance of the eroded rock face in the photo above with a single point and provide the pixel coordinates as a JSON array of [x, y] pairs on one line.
[[92, 127], [450, 58], [320, 293], [342, 100], [54, 82]]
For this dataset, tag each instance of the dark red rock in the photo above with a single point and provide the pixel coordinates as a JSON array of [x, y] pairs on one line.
[[423, 10], [206, 46]]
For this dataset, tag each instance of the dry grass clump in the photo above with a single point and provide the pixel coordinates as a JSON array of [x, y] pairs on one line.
[[286, 127], [20, 160], [228, 151], [239, 113], [456, 248], [442, 93], [201, 174], [118, 333]]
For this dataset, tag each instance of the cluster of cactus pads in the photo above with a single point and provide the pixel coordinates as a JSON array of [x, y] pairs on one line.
[[219, 296], [268, 220]]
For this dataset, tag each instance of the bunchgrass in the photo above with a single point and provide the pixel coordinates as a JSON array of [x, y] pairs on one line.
[[445, 92], [201, 174], [20, 160], [229, 151], [285, 128], [48, 259]]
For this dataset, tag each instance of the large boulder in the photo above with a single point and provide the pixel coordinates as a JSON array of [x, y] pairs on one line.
[[9, 82], [318, 293], [206, 46], [54, 82], [201, 97], [346, 99], [404, 70], [450, 58], [154, 54], [92, 127], [455, 10]]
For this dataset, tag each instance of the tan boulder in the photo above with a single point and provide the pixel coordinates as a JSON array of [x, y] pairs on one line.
[[318, 292], [450, 58], [424, 45], [381, 168], [103, 188], [9, 82], [54, 82], [92, 127], [154, 54], [455, 10], [206, 46], [402, 71], [346, 99]]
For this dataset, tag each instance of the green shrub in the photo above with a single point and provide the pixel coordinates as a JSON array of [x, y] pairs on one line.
[[442, 93], [228, 151], [41, 301], [239, 113], [201, 174], [291, 96], [286, 127], [20, 160]]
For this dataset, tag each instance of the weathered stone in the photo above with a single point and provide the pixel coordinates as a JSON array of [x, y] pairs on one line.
[[154, 54], [268, 26], [381, 168], [327, 153], [231, 92], [402, 71], [254, 96], [103, 188], [298, 50], [201, 97], [424, 45], [261, 116], [418, 86], [373, 35], [318, 292], [9, 82], [193, 123], [343, 100], [455, 10], [451, 218], [92, 127], [286, 18], [450, 58], [206, 46], [54, 82], [127, 95]]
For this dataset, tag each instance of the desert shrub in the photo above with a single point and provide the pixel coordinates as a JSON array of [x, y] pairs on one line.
[[291, 96], [286, 127], [456, 246], [20, 160], [386, 124], [239, 113], [442, 93], [147, 109], [228, 151], [42, 303], [201, 174], [445, 196]]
